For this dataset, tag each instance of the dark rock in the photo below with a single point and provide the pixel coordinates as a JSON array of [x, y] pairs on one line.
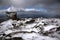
[[0, 38], [45, 34], [58, 32], [8, 39], [53, 29], [14, 26], [21, 24], [57, 24], [2, 20], [12, 15], [58, 29], [17, 38], [22, 19], [4, 34], [9, 35], [45, 24]]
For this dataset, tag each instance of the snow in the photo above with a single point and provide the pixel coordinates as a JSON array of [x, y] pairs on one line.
[[6, 25], [40, 23], [11, 9], [31, 9], [31, 32], [33, 36], [48, 27], [30, 25], [8, 32]]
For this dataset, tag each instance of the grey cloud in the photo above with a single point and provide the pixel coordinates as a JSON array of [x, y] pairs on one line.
[[21, 3], [25, 3]]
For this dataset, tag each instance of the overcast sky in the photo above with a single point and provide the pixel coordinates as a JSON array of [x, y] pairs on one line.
[[27, 3], [51, 5], [20, 3]]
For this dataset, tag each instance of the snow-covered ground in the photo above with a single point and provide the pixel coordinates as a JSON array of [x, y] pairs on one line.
[[31, 28]]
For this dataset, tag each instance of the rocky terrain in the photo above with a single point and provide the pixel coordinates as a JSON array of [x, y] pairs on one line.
[[30, 29]]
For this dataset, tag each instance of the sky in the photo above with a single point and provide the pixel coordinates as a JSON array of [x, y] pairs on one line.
[[18, 3], [52, 6], [26, 3]]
